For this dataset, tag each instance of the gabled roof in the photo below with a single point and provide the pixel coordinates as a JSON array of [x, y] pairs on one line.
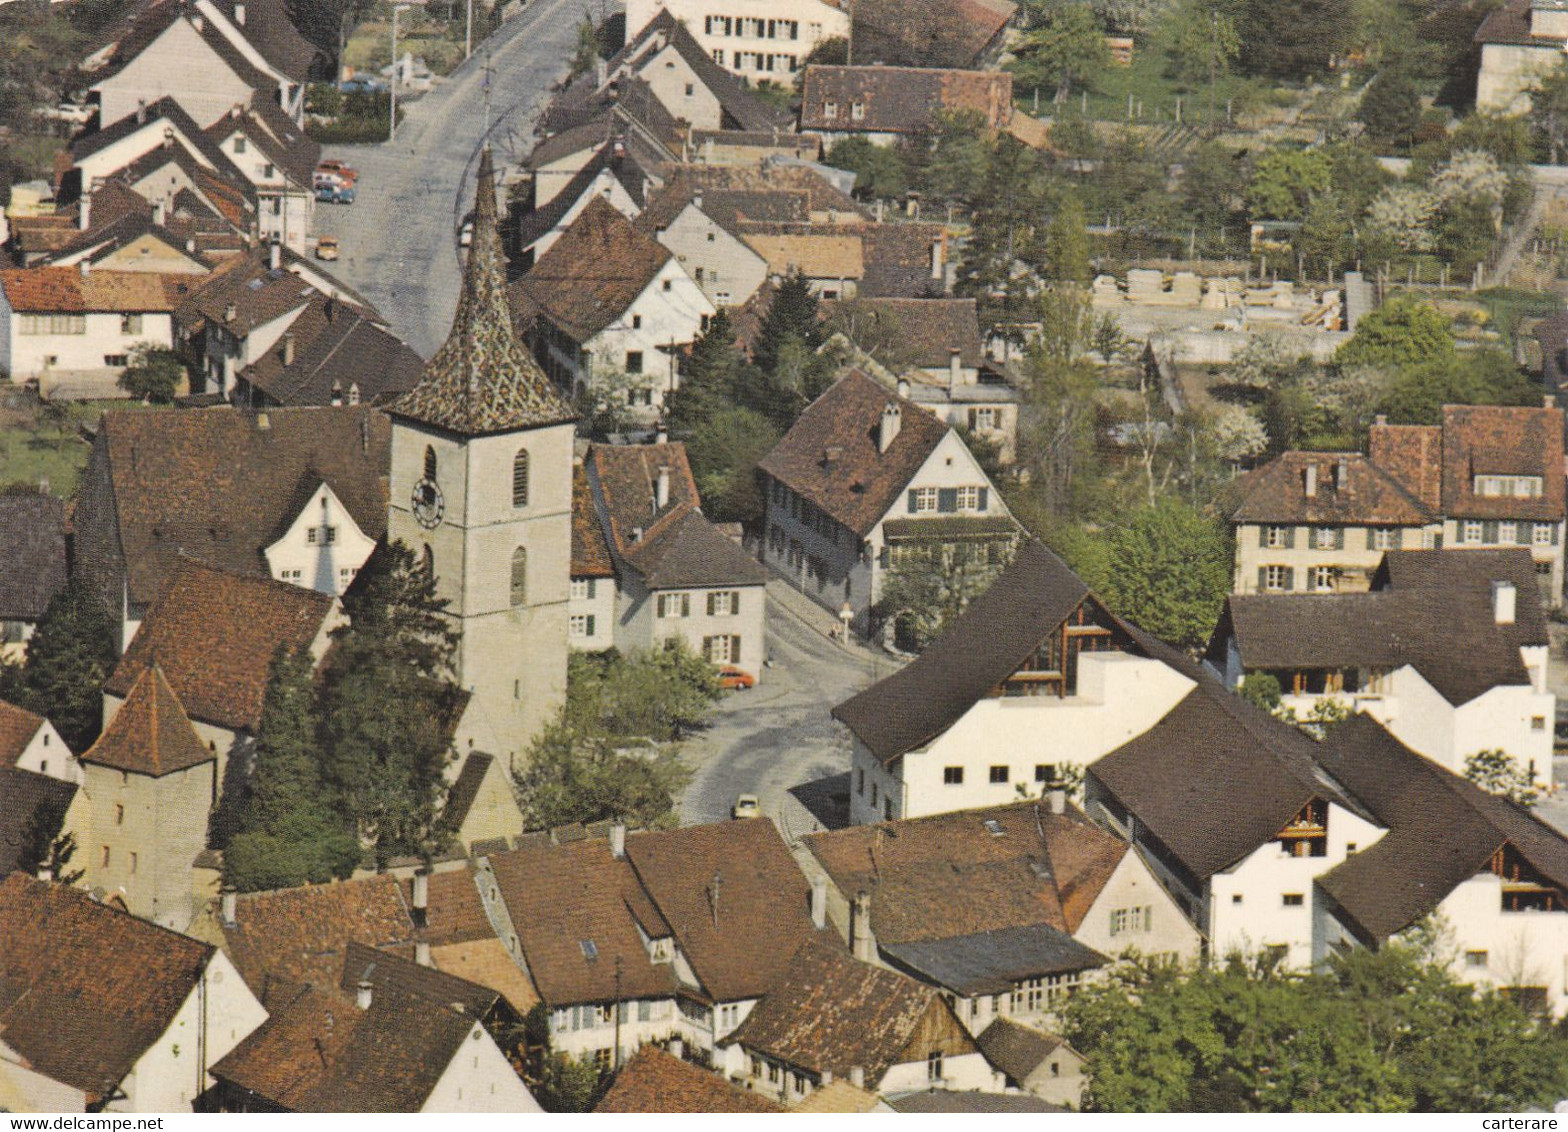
[[1017, 1050], [32, 806], [85, 990], [929, 33], [214, 635], [275, 134], [900, 100], [283, 940], [341, 354], [1413, 456], [32, 554], [612, 158], [1430, 609], [270, 31], [996, 633], [385, 971], [591, 556], [146, 30], [1276, 493], [1442, 830], [740, 936], [925, 331], [860, 484], [970, 872], [898, 263], [1507, 440], [690, 552], [18, 726], [66, 290], [483, 380], [832, 1013], [150, 733], [592, 273], [993, 962], [742, 109], [655, 1081], [214, 485], [158, 118]]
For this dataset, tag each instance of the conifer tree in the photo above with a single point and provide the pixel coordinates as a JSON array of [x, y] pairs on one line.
[[792, 316], [69, 658]]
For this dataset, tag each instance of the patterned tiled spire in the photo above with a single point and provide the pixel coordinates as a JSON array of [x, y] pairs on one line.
[[482, 379]]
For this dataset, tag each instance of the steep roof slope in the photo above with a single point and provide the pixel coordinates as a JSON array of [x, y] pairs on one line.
[[1276, 493], [654, 1081], [150, 734]]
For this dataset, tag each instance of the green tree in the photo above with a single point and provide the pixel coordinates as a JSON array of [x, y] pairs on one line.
[[1284, 181], [1549, 113], [1498, 772], [1067, 243], [1261, 689], [586, 52], [655, 693], [154, 374], [46, 849], [69, 658], [1056, 426], [792, 317], [960, 155], [1292, 39], [724, 453], [574, 775], [388, 705], [1325, 242], [1204, 41], [879, 169], [1402, 332], [708, 377], [1067, 48], [1170, 569], [1391, 107], [926, 589]]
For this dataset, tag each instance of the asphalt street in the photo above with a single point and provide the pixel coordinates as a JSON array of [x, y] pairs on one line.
[[778, 740], [399, 238]]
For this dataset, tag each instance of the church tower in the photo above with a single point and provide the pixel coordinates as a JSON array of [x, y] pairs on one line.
[[481, 485]]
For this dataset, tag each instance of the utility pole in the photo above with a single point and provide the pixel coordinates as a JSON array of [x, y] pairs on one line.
[[468, 33], [616, 1060], [392, 125], [1214, 38], [488, 71]]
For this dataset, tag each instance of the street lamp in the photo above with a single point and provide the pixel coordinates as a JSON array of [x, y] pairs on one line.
[[392, 125]]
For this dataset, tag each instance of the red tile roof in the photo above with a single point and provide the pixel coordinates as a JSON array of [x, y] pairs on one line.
[[67, 290], [150, 733], [17, 728], [1505, 440], [214, 635], [655, 1081], [590, 553], [1413, 455], [901, 100], [1276, 493]]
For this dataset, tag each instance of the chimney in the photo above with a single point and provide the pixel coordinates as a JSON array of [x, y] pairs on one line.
[[1056, 799], [887, 429], [84, 213], [661, 491], [955, 367], [45, 873], [239, 14], [1549, 401], [661, 433], [190, 246], [141, 111], [903, 388], [230, 313], [1309, 476], [275, 255], [1342, 475], [1505, 601], [263, 423], [819, 902], [857, 1076], [84, 267], [860, 945], [618, 841], [696, 200], [937, 261], [677, 1047], [363, 994], [422, 953], [600, 72], [827, 1078], [160, 212], [288, 349], [1381, 420], [421, 898], [228, 907]]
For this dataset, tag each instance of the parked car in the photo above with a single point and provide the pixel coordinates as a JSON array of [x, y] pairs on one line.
[[76, 113], [465, 231], [735, 679], [338, 169], [366, 86], [327, 248], [746, 806], [335, 194]]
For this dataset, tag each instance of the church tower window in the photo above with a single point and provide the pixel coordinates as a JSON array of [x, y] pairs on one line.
[[429, 561], [430, 462], [520, 478], [519, 576]]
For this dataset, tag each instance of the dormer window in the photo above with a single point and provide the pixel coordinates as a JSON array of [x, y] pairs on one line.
[[1307, 833], [830, 110], [857, 111], [1519, 487]]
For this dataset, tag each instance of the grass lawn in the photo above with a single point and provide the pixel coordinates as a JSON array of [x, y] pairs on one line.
[[370, 47], [1507, 305], [34, 448]]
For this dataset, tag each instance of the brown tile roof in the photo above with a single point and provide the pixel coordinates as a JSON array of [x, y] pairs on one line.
[[211, 484], [385, 971], [1017, 1050], [150, 733], [838, 1096], [214, 635], [997, 632], [1413, 456], [287, 146], [569, 902], [927, 331], [462, 793], [861, 484], [86, 990], [689, 551], [626, 480], [1509, 23], [488, 963], [340, 355], [799, 191], [929, 33], [454, 912], [482, 379], [590, 552], [898, 262], [948, 875], [291, 937], [901, 100], [1482, 439], [249, 292], [1276, 493], [741, 107], [655, 1081], [831, 1012], [592, 273], [18, 726], [815, 250], [1409, 871], [1431, 609], [67, 290], [33, 803], [740, 947], [270, 31]]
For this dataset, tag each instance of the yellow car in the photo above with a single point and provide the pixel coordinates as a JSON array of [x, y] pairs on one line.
[[327, 248]]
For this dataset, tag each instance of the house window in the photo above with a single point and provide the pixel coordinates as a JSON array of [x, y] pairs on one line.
[[582, 589], [690, 90], [674, 605], [873, 795], [267, 172], [103, 858], [1472, 531], [133, 862], [773, 1073], [345, 576], [934, 1066], [1537, 723], [1542, 535], [239, 145], [130, 324], [310, 536], [721, 298], [1506, 532], [952, 776], [1235, 898], [430, 463], [329, 535], [1045, 772], [633, 361], [1325, 538], [1385, 538], [724, 603], [667, 285], [116, 361], [1475, 959], [520, 478], [983, 419], [1325, 578], [971, 498], [1276, 578], [922, 500], [581, 624], [636, 322], [1293, 899], [1127, 920], [830, 110], [519, 576], [999, 775], [119, 814], [292, 576], [860, 780], [1276, 538], [722, 649], [857, 111], [640, 396], [718, 56]]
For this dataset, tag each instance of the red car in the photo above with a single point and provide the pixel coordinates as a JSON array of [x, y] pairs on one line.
[[736, 680], [339, 170]]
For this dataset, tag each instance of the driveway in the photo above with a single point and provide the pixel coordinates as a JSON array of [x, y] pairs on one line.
[[778, 741], [399, 238]]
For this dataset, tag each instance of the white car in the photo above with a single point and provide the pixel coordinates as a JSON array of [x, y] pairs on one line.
[[74, 113], [746, 806]]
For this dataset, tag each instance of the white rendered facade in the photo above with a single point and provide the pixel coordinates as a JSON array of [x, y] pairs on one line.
[[323, 548], [752, 38]]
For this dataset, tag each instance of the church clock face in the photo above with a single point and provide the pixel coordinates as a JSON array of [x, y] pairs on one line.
[[428, 503]]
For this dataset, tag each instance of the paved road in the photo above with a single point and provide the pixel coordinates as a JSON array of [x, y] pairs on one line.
[[778, 741], [399, 245]]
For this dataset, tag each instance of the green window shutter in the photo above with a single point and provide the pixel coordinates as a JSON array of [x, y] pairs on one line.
[[1371, 538], [1339, 538], [947, 499], [712, 604], [1399, 539], [912, 494], [735, 648], [590, 624], [1524, 533], [1290, 578], [1290, 538], [1489, 531], [1556, 533], [985, 497], [1263, 536], [1263, 578]]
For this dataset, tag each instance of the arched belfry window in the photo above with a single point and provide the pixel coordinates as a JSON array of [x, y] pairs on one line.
[[429, 561], [430, 462], [519, 576], [520, 478]]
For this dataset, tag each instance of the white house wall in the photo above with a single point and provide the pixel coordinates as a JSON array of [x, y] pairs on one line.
[[1131, 886], [325, 567], [480, 1079], [726, 268], [654, 321], [961, 1074], [817, 21], [606, 185], [181, 64], [47, 754], [52, 357], [601, 607], [1522, 948]]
